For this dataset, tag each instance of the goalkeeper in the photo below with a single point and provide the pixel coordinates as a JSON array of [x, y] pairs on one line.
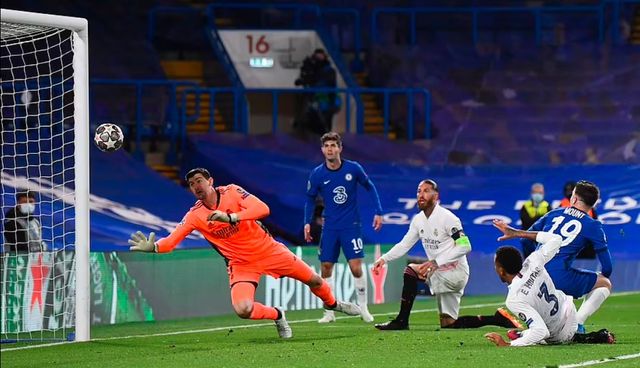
[[227, 216]]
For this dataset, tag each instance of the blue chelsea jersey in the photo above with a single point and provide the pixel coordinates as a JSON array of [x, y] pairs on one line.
[[339, 190], [577, 230]]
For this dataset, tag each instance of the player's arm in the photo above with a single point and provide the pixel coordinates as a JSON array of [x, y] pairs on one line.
[[400, 249], [140, 243], [309, 206], [251, 208], [550, 242], [366, 182], [537, 331], [599, 241], [310, 202], [537, 226], [462, 244]]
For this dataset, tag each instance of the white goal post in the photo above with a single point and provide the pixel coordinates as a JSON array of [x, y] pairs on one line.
[[22, 28]]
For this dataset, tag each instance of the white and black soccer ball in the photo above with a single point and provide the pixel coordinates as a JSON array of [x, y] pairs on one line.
[[108, 137]]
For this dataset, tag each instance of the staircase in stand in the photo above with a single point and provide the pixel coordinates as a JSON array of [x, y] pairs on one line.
[[193, 71], [634, 39], [373, 114]]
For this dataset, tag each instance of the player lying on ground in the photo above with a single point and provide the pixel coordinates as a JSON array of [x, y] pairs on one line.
[[227, 216], [447, 270], [549, 313]]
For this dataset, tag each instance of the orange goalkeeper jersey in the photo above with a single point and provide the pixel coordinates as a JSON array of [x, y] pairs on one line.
[[244, 242]]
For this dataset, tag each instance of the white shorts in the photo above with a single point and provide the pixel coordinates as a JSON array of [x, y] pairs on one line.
[[448, 287], [565, 335]]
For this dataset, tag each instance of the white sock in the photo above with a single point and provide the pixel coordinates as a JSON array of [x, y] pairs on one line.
[[329, 281], [592, 302], [361, 289]]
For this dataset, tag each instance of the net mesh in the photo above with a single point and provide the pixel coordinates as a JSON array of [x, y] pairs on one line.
[[37, 117]]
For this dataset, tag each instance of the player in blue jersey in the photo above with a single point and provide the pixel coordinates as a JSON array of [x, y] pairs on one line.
[[336, 181], [578, 230]]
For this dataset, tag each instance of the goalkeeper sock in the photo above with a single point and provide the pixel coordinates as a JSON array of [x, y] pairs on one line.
[[324, 293], [592, 302], [409, 292], [261, 311]]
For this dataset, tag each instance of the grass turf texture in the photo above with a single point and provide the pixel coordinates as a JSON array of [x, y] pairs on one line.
[[349, 342]]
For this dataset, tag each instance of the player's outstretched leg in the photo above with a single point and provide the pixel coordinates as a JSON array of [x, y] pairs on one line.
[[320, 288], [328, 316], [501, 318], [409, 292], [599, 337], [242, 299], [283, 326]]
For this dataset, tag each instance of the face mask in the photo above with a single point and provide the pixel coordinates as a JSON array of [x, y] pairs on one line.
[[537, 197], [27, 208]]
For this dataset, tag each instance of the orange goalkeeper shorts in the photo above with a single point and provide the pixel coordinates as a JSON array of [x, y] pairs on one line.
[[278, 263]]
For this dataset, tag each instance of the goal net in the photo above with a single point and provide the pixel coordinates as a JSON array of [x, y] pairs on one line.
[[45, 191]]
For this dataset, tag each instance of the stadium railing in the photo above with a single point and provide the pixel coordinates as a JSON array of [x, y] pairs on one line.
[[477, 11], [176, 120], [172, 109], [241, 114]]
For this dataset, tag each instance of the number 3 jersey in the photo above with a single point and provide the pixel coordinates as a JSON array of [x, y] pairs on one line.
[[534, 299], [339, 190]]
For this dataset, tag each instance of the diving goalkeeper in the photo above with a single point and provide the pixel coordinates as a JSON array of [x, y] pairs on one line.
[[227, 216]]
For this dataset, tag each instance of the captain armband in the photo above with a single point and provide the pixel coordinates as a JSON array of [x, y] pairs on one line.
[[460, 238]]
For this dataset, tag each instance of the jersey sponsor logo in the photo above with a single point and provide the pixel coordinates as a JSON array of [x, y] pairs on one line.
[[341, 195], [348, 177], [326, 182], [225, 232], [435, 232]]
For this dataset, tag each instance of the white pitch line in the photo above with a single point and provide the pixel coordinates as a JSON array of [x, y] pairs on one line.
[[600, 361], [214, 329]]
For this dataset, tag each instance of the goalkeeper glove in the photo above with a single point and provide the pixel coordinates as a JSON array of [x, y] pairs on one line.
[[218, 215], [140, 243]]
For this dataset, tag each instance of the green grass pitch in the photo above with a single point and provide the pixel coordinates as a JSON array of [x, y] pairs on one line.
[[227, 341]]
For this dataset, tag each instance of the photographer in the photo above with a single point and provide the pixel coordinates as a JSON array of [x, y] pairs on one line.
[[318, 108]]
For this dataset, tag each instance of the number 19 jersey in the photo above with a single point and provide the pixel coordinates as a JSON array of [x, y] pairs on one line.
[[577, 230]]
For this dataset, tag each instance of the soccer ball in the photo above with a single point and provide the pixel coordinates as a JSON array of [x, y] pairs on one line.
[[108, 137]]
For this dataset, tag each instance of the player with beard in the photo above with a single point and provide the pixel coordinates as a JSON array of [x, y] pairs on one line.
[[446, 271]]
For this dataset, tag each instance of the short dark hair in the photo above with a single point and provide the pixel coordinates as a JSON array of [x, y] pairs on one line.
[[197, 170], [331, 136], [432, 183], [588, 192], [510, 259], [25, 194]]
